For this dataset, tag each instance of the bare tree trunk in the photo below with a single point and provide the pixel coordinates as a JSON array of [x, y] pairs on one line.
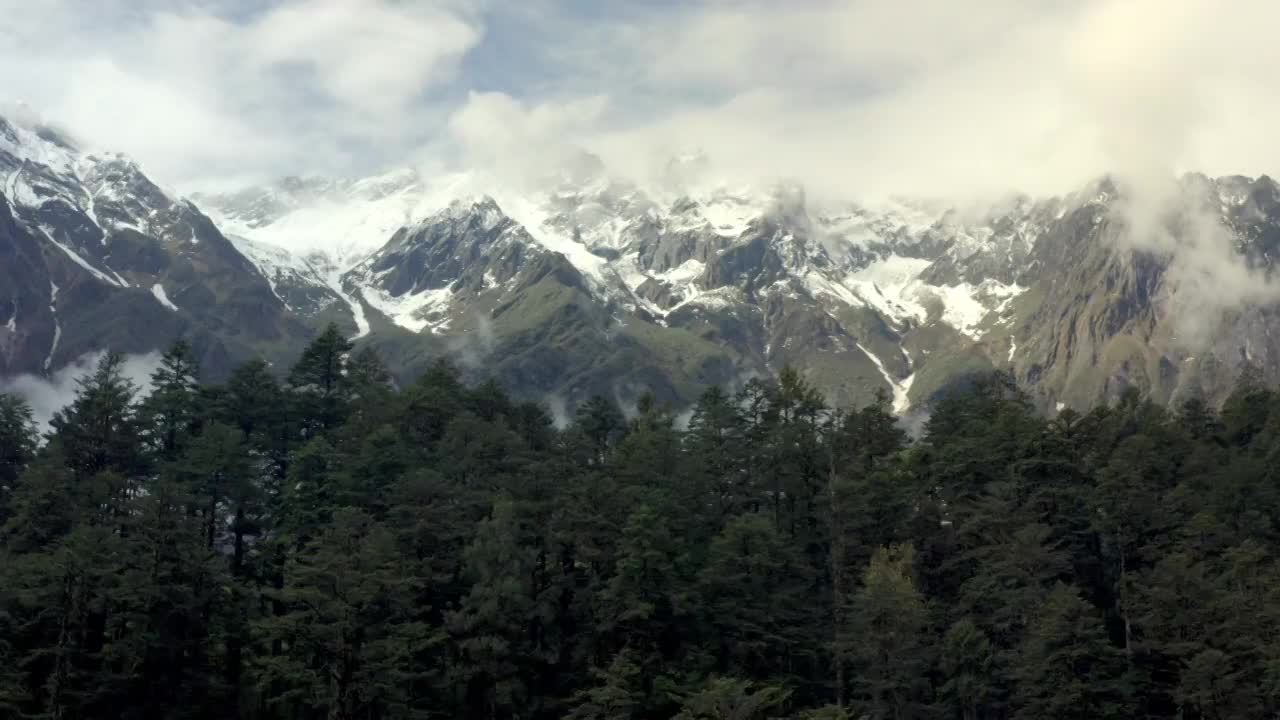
[[1120, 603], [837, 570]]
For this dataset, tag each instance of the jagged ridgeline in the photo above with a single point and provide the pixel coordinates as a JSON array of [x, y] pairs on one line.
[[592, 285], [331, 545]]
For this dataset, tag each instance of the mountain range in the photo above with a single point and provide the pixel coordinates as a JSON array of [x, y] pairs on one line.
[[591, 284]]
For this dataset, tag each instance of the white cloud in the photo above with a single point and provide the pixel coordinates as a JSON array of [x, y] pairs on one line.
[[519, 141], [177, 133], [854, 96], [966, 101], [369, 54], [745, 45], [200, 93], [47, 396], [873, 96]]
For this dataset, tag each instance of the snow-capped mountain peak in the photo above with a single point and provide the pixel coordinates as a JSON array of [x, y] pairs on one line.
[[771, 274], [94, 253]]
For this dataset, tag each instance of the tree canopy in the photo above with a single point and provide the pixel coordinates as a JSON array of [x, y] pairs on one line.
[[329, 544]]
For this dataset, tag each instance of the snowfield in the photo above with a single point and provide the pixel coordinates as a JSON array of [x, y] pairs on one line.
[[596, 226]]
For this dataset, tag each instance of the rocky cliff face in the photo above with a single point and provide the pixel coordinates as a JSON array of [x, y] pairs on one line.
[[592, 284], [1178, 319], [94, 255]]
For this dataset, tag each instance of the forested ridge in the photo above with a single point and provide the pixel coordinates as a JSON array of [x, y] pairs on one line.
[[330, 546]]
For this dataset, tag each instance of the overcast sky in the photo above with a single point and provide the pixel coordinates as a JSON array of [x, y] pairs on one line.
[[860, 96]]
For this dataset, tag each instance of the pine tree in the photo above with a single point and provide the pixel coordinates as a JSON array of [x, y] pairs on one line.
[[44, 506], [967, 661], [320, 383], [99, 432], [433, 529], [1015, 565], [643, 606], [755, 592], [716, 448], [602, 424], [348, 630], [216, 471], [251, 551], [872, 498], [617, 694], [888, 639], [1131, 514], [732, 699], [648, 465], [1246, 410], [171, 412], [757, 420], [252, 401], [648, 457], [166, 604], [1068, 669], [310, 497], [490, 629], [797, 481], [17, 445], [372, 392], [60, 601], [431, 403], [370, 471]]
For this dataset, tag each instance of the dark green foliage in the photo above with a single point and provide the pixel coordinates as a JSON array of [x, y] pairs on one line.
[[616, 695], [17, 447], [601, 423], [754, 591], [337, 547], [491, 630], [351, 645], [888, 639], [967, 661], [171, 412], [100, 432], [1067, 668], [321, 384], [732, 699], [17, 439]]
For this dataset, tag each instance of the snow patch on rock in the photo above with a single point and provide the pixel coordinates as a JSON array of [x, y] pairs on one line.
[[157, 290]]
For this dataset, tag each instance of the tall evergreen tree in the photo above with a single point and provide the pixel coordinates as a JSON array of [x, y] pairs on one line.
[[732, 699], [171, 411], [349, 631], [602, 424], [320, 383], [754, 590], [889, 640], [17, 446], [967, 661], [643, 608], [491, 628], [99, 431], [17, 437], [716, 447], [1068, 669], [272, 552]]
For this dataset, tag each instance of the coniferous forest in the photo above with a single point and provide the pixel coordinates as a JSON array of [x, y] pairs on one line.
[[327, 545]]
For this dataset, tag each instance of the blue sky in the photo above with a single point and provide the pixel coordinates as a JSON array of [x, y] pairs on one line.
[[849, 95]]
